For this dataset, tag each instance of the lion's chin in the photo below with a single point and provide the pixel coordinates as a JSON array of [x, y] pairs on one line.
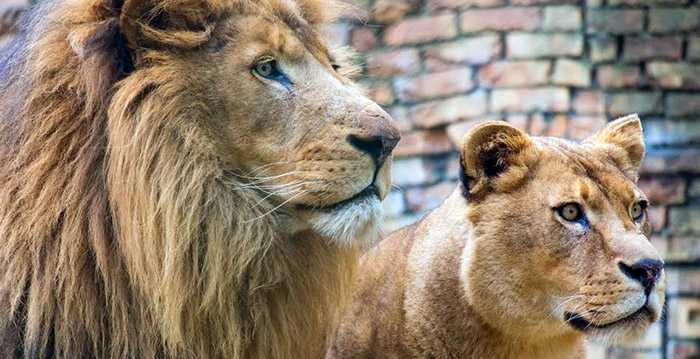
[[355, 223]]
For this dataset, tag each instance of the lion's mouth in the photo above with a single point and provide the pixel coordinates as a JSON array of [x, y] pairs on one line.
[[369, 191], [579, 323]]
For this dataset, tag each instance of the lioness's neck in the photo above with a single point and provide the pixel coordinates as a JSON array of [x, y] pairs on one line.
[[456, 328]]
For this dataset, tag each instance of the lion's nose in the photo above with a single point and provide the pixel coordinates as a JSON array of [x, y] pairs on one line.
[[646, 271], [378, 134]]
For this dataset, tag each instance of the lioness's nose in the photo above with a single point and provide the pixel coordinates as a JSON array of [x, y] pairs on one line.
[[646, 271], [377, 135]]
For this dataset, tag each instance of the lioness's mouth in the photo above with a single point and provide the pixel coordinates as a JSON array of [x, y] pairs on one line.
[[579, 323], [369, 191]]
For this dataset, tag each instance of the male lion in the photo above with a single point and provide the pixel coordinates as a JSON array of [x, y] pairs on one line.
[[180, 178], [544, 244]]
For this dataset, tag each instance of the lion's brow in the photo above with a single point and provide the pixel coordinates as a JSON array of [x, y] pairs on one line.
[[306, 33]]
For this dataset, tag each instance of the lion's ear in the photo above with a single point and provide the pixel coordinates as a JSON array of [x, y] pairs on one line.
[[177, 23], [624, 142], [495, 158]]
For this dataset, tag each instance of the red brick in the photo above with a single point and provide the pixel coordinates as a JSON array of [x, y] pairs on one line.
[[515, 73], [434, 84], [533, 45], [421, 29], [682, 320], [435, 5], [571, 73], [612, 76], [693, 48], [394, 204], [542, 126], [554, 99], [683, 249], [645, 48], [473, 50], [581, 127], [646, 2], [382, 93], [501, 19], [542, 2], [518, 120], [603, 49], [400, 116], [673, 19], [411, 172], [673, 132], [680, 104], [439, 112], [423, 143], [457, 130], [663, 190], [389, 11], [683, 350], [643, 103], [563, 17], [683, 281], [424, 199], [657, 217], [338, 34], [671, 161], [674, 75], [615, 21], [363, 38], [589, 103], [392, 63]]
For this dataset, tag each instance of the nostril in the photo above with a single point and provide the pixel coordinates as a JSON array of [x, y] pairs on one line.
[[646, 271], [372, 145]]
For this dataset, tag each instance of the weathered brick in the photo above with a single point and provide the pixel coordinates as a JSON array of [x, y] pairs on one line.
[[423, 143], [514, 73], [674, 75], [338, 34], [457, 130], [615, 21], [683, 281], [381, 92], [532, 45], [434, 84], [694, 189], [683, 350], [474, 50], [671, 132], [673, 19], [615, 76], [394, 204], [541, 125], [400, 116], [421, 29], [646, 2], [542, 2], [427, 198], [356, 11], [645, 48], [580, 127], [603, 49], [392, 63], [363, 38], [435, 5], [518, 120], [500, 19], [555, 99], [589, 103], [643, 103], [435, 113], [693, 52], [662, 190], [389, 11], [571, 73], [411, 172], [653, 339], [671, 161], [563, 17], [684, 220], [683, 321], [657, 217], [684, 249]]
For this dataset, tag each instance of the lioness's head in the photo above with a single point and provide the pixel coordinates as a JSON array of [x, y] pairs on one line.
[[560, 233], [277, 107]]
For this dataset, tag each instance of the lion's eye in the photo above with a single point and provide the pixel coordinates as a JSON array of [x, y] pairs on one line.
[[571, 212], [637, 210], [269, 70]]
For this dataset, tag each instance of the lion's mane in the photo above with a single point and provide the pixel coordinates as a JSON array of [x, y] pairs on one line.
[[120, 234]]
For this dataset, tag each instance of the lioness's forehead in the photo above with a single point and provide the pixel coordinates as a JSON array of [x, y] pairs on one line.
[[589, 173]]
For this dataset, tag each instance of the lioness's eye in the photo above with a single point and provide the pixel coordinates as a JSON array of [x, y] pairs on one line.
[[571, 212], [637, 210]]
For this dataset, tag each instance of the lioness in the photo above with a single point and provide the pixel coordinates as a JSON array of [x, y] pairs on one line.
[[544, 244]]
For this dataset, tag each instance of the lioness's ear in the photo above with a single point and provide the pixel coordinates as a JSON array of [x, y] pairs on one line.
[[495, 157], [625, 143], [178, 23]]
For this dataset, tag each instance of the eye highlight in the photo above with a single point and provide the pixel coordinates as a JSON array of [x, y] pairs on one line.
[[637, 210], [571, 212]]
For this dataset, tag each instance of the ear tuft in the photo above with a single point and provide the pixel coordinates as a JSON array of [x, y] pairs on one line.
[[626, 136], [494, 156]]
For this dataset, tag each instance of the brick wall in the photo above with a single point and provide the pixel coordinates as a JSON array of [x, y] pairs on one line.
[[551, 67]]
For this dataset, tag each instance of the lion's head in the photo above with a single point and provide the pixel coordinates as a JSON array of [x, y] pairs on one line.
[[560, 233], [182, 177]]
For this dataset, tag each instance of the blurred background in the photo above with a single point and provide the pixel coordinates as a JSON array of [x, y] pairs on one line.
[[550, 67]]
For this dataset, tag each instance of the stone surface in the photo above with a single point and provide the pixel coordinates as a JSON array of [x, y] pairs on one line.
[[472, 50], [674, 75], [572, 73], [421, 29], [562, 17], [500, 19], [515, 73], [392, 63], [615, 21], [434, 84], [523, 45], [665, 20], [602, 49], [440, 112], [642, 103], [554, 99], [423, 143], [617, 76], [589, 103], [435, 5], [636, 49]]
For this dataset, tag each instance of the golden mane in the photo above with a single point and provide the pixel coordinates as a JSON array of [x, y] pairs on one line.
[[120, 234]]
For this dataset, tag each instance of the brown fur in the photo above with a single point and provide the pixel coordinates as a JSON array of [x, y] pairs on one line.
[[492, 272], [157, 197]]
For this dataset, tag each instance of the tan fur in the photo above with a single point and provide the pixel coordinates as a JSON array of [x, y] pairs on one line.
[[492, 272], [151, 186]]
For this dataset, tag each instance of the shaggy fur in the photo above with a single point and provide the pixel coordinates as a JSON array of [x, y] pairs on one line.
[[495, 272], [157, 198]]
